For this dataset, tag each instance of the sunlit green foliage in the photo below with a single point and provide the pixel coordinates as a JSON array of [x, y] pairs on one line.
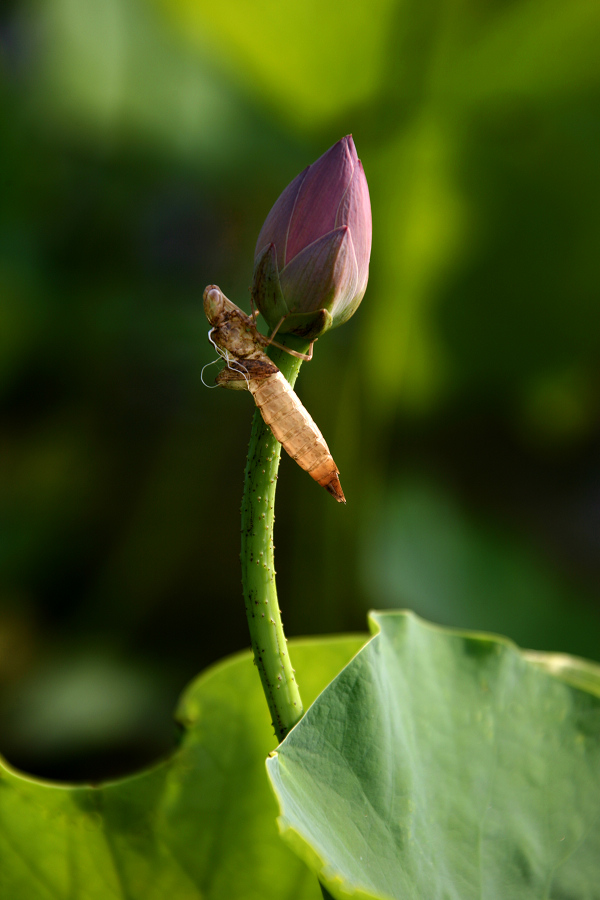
[[142, 145], [448, 765], [199, 824]]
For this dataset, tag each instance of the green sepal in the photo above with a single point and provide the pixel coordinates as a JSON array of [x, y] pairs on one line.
[[266, 288], [309, 325], [268, 298]]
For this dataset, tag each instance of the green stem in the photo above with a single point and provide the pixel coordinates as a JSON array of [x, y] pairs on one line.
[[258, 573]]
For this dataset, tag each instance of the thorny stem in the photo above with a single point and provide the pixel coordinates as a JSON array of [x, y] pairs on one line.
[[258, 572]]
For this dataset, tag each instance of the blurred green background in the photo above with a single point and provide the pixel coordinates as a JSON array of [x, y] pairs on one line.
[[142, 144]]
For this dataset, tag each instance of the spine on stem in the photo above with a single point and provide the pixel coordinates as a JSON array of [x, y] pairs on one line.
[[258, 572]]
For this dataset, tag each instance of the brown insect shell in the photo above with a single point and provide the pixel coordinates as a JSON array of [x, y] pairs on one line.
[[236, 335], [217, 305], [232, 330], [253, 369]]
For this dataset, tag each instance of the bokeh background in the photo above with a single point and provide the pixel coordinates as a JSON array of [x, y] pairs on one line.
[[142, 144]]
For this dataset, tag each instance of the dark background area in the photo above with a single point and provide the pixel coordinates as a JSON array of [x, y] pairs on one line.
[[142, 144]]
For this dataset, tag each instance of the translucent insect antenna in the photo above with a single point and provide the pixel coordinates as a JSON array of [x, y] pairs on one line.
[[230, 361], [222, 353], [208, 364], [236, 366]]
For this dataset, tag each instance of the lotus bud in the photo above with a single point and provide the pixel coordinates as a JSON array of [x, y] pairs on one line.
[[311, 263]]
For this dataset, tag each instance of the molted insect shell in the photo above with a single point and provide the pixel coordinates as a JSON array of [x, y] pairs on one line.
[[248, 368], [288, 419]]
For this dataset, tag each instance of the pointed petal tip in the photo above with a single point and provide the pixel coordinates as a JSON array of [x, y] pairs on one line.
[[347, 142], [262, 251], [344, 148]]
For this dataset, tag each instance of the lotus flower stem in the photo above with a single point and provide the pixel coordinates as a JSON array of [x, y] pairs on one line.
[[258, 573], [311, 268]]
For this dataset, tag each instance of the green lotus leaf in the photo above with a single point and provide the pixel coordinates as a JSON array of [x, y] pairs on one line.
[[447, 764], [199, 826]]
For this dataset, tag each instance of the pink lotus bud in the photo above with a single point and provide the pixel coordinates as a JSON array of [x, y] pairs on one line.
[[311, 263]]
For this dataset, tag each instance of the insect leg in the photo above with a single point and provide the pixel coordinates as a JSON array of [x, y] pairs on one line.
[[305, 356], [254, 313], [268, 341]]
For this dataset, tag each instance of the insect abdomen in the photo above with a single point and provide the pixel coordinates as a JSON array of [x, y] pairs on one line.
[[294, 428]]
